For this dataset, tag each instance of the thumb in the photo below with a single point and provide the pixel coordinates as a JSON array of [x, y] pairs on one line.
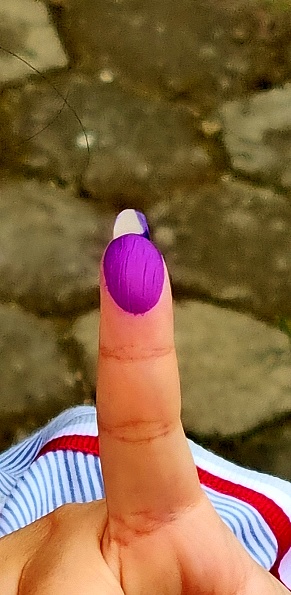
[[149, 473]]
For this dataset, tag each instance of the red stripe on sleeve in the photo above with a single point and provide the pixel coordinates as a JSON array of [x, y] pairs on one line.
[[85, 444]]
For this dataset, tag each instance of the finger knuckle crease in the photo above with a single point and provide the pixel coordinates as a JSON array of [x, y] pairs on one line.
[[132, 353], [137, 431]]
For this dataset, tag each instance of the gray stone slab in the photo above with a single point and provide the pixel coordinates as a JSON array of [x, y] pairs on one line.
[[193, 52], [26, 30], [257, 133], [138, 148], [235, 371], [50, 247], [86, 332], [268, 451], [35, 377], [265, 449], [229, 241]]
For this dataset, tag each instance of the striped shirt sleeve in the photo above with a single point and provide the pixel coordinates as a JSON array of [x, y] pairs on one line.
[[60, 464]]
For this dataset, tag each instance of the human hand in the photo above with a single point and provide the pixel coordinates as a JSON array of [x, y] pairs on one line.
[[156, 533]]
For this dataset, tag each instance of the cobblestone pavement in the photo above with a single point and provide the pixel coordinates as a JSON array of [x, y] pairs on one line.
[[184, 114]]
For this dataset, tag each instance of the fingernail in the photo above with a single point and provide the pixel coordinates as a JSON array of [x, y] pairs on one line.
[[131, 221], [134, 273]]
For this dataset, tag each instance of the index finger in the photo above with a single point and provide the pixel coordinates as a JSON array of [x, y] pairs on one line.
[[148, 469]]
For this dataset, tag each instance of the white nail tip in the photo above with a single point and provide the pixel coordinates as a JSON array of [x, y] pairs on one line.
[[127, 222]]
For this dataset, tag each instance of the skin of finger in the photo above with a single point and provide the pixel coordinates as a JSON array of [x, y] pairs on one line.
[[60, 553], [70, 562], [16, 549], [147, 468], [147, 465], [195, 553], [156, 563]]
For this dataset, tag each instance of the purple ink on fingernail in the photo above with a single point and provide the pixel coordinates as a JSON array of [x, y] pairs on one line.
[[143, 221], [134, 273]]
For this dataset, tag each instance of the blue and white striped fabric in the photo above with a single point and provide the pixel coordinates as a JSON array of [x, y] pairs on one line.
[[31, 487], [248, 526]]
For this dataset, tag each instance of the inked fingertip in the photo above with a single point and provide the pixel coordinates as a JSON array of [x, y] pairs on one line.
[[134, 273]]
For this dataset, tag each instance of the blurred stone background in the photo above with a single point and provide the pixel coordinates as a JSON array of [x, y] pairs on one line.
[[181, 109]]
